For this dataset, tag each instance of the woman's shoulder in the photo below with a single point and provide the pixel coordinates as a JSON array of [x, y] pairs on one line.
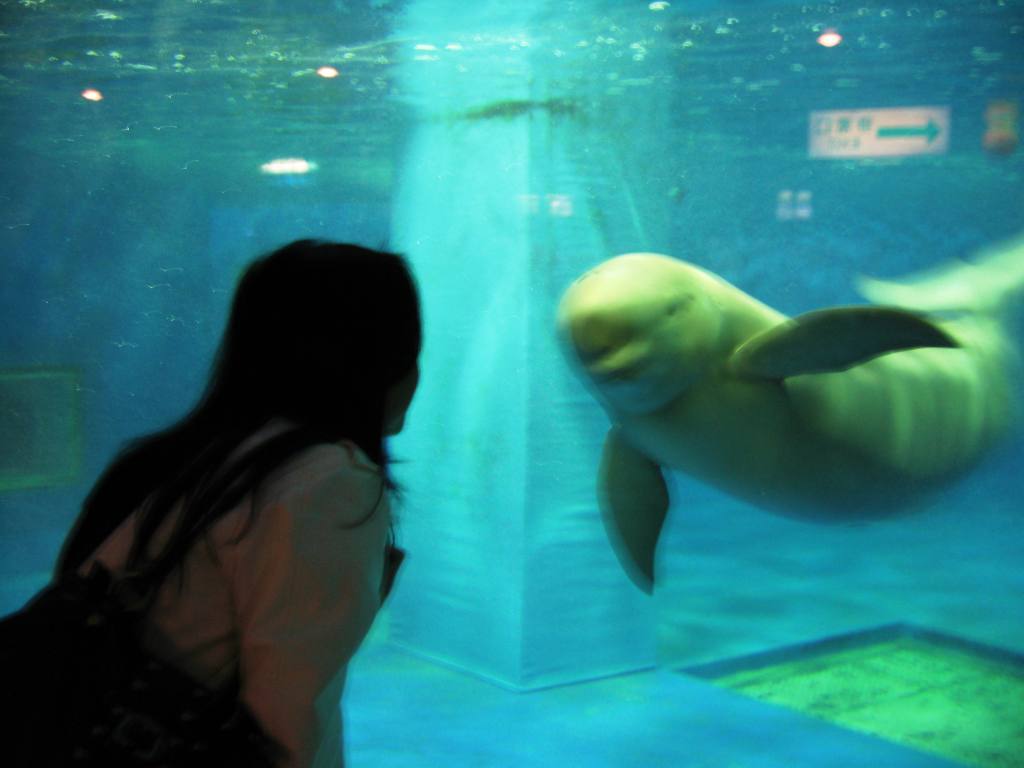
[[336, 477], [344, 456], [318, 458]]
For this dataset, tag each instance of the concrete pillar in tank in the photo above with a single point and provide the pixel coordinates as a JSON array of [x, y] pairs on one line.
[[510, 574]]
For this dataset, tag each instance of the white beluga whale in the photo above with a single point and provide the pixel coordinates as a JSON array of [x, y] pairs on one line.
[[844, 414]]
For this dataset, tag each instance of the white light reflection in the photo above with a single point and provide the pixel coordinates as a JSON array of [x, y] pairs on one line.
[[288, 166], [830, 38]]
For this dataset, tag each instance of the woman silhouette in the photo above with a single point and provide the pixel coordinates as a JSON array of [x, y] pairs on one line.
[[274, 490]]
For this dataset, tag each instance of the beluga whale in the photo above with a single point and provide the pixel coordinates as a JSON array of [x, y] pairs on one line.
[[844, 414]]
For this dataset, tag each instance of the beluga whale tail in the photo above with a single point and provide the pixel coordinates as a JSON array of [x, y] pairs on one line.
[[990, 283], [842, 414]]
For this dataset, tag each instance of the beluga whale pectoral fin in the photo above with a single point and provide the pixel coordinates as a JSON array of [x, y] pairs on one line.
[[832, 340], [634, 501]]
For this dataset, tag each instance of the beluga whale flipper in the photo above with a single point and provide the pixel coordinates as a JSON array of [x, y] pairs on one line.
[[842, 414]]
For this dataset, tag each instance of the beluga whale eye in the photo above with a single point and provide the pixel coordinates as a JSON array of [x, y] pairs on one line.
[[680, 304]]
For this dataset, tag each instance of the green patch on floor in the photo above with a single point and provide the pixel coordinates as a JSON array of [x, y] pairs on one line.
[[938, 694]]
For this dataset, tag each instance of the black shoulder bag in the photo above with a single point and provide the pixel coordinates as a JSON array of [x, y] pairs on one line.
[[85, 692]]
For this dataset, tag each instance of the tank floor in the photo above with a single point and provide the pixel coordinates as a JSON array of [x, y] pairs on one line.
[[402, 711]]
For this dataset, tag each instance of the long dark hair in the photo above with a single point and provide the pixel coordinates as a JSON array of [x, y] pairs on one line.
[[317, 333]]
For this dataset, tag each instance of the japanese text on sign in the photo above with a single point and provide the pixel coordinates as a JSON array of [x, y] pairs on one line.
[[879, 132]]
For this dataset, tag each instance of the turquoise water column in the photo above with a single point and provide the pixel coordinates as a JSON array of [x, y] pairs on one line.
[[509, 574]]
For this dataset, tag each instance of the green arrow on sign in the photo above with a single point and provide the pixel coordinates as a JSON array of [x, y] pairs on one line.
[[929, 131]]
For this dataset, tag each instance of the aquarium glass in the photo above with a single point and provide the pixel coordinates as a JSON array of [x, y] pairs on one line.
[[149, 150]]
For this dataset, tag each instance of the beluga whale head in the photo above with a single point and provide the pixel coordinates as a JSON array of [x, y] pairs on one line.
[[640, 329]]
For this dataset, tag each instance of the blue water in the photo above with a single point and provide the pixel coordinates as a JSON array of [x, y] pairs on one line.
[[125, 222]]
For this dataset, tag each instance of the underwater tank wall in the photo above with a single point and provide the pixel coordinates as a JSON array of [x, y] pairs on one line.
[[150, 151]]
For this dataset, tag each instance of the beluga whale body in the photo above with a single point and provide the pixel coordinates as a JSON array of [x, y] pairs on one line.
[[843, 414]]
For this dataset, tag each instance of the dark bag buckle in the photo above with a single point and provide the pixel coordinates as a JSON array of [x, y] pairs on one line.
[[143, 736]]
